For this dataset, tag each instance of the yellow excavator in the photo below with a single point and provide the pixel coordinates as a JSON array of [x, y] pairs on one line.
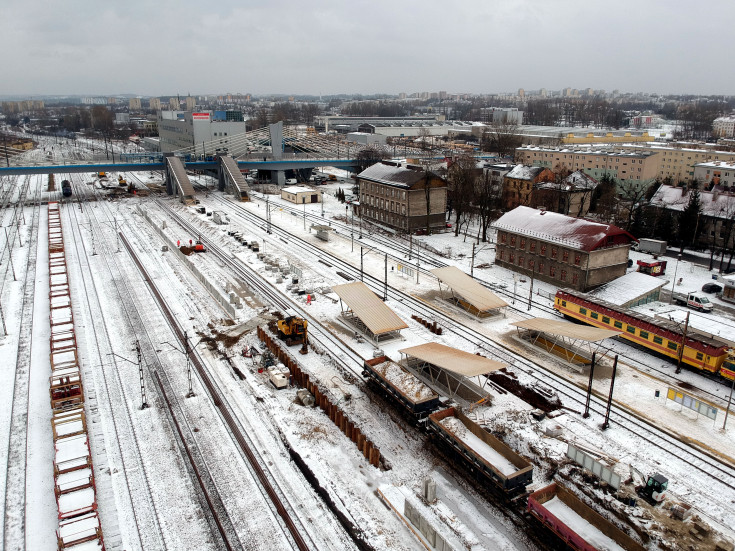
[[293, 330]]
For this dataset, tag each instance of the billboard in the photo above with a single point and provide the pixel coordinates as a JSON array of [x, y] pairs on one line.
[[200, 116]]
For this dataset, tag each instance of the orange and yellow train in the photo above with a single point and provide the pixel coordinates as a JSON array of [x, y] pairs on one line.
[[660, 336]]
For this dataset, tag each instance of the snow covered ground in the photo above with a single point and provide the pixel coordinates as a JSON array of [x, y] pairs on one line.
[[148, 498]]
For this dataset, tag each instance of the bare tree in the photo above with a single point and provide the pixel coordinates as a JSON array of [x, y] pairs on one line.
[[503, 138], [463, 175]]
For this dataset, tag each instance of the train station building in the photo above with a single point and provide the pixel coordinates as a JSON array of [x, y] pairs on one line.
[[563, 250]]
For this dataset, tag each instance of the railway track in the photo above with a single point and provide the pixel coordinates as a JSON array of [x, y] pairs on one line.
[[266, 482], [209, 492], [347, 359], [709, 465], [16, 469], [146, 516]]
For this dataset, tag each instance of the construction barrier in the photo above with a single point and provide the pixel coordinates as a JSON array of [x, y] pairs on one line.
[[322, 400]]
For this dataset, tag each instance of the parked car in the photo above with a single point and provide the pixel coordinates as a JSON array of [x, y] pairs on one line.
[[712, 288]]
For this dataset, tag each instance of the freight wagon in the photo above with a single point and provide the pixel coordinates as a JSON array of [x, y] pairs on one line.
[[578, 526], [481, 451], [401, 385]]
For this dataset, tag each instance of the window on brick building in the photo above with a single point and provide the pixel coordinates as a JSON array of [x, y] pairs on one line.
[[575, 279], [523, 243], [513, 241], [511, 258], [563, 275], [565, 256], [532, 246], [543, 249], [554, 252], [503, 237], [577, 259], [552, 271]]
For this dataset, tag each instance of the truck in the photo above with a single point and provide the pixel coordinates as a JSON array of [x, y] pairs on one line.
[[653, 246], [579, 527], [694, 299], [482, 452], [401, 385]]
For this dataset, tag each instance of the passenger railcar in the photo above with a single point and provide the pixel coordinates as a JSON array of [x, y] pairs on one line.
[[660, 336]]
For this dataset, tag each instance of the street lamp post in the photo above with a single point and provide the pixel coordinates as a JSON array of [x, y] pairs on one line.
[[676, 269]]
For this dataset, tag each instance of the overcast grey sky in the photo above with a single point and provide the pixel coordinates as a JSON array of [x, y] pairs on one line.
[[356, 46]]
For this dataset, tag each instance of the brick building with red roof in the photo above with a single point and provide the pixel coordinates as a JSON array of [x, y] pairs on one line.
[[559, 249]]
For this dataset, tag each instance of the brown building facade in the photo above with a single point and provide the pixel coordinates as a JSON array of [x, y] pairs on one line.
[[395, 195], [559, 249], [518, 184]]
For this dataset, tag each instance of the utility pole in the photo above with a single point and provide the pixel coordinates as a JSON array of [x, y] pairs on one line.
[[472, 264], [144, 403], [727, 411], [530, 289], [683, 343], [10, 253], [187, 350], [385, 287], [586, 413], [606, 423]]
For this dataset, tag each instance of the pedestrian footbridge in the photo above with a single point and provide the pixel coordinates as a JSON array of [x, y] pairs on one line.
[[177, 182], [231, 179]]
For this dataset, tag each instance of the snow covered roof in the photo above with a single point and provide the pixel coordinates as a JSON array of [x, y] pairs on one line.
[[391, 174], [454, 360], [567, 329], [714, 204], [628, 288], [523, 172], [372, 311], [298, 189], [572, 232], [575, 181], [466, 287]]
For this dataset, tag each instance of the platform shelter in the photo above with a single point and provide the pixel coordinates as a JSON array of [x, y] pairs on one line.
[[568, 341], [367, 313], [467, 293], [453, 372]]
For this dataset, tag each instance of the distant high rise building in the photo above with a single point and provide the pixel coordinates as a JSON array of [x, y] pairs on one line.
[[155, 104], [190, 103], [111, 101], [442, 94], [402, 95], [173, 104], [521, 93], [134, 104], [543, 93]]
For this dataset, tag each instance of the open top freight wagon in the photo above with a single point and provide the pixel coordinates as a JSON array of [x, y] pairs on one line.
[[580, 527], [482, 451], [402, 385]]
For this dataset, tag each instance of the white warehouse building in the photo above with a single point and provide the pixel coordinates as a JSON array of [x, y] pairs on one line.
[[184, 129]]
